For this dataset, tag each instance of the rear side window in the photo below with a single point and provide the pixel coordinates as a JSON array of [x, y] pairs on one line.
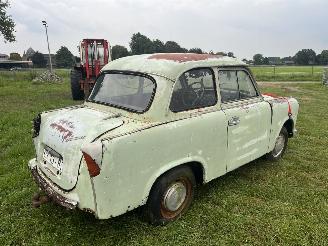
[[246, 87], [235, 85], [194, 89], [228, 85]]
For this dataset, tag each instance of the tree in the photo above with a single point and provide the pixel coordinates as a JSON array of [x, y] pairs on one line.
[[245, 60], [258, 59], [266, 61], [15, 56], [322, 58], [64, 58], [119, 51], [7, 25], [219, 53], [174, 47], [140, 44], [230, 54], [38, 59], [158, 46], [305, 57], [196, 50]]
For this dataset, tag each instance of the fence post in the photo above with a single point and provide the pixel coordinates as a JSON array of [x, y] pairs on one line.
[[274, 72], [325, 76]]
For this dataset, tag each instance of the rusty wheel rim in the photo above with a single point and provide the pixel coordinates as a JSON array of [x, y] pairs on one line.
[[175, 198], [279, 145]]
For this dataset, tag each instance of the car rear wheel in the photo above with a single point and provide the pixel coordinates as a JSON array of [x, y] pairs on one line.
[[280, 146], [170, 196]]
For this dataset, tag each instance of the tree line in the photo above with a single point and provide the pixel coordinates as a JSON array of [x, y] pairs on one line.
[[141, 44], [302, 57], [63, 58]]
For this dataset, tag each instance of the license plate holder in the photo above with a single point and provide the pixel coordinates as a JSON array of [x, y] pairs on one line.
[[54, 160]]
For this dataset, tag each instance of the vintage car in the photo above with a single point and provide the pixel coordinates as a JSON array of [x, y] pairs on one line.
[[153, 127]]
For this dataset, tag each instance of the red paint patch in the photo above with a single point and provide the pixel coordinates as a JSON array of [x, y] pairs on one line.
[[66, 133], [278, 99], [289, 109], [270, 95], [183, 57]]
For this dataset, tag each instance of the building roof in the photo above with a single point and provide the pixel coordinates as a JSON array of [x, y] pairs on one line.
[[30, 52], [170, 65]]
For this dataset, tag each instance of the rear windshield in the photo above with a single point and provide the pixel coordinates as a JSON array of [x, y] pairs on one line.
[[130, 91]]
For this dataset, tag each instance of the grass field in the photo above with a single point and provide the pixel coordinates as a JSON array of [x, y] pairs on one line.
[[262, 203], [287, 73], [261, 73]]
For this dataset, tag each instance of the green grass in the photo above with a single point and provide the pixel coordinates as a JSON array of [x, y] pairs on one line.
[[261, 203], [287, 73]]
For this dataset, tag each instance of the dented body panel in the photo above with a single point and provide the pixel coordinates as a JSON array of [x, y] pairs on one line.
[[105, 159]]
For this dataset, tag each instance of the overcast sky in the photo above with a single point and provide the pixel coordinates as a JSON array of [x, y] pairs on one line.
[[245, 27]]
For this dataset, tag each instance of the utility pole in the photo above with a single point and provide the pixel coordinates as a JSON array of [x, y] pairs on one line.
[[46, 26]]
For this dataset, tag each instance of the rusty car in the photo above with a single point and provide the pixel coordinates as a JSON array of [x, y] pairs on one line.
[[153, 127]]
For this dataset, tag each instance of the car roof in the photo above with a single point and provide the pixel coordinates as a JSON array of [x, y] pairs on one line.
[[170, 65]]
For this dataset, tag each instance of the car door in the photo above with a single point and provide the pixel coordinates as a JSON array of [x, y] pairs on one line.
[[247, 117]]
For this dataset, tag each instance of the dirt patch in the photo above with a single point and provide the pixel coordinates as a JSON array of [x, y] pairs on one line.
[[273, 85], [291, 89]]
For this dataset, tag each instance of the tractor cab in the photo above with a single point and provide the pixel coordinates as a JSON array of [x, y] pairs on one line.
[[94, 55]]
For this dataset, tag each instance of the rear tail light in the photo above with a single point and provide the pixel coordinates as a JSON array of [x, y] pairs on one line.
[[93, 168], [289, 109], [36, 126]]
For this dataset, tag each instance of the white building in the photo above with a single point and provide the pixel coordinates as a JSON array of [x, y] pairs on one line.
[[4, 57]]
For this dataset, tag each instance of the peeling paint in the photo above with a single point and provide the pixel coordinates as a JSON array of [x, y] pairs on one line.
[[65, 128], [183, 57]]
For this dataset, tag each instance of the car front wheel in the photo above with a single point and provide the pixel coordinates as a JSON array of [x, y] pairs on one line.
[[170, 196], [280, 146]]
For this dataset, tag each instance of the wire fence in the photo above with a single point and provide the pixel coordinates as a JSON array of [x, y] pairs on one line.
[[288, 73]]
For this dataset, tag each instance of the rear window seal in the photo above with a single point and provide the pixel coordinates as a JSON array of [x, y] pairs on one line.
[[128, 73]]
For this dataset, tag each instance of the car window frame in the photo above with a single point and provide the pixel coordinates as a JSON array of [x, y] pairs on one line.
[[249, 73], [195, 108], [126, 72]]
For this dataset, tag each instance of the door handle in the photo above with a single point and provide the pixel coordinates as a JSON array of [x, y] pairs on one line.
[[234, 121]]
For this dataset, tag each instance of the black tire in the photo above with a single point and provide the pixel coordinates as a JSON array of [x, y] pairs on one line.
[[155, 211], [277, 153], [77, 93]]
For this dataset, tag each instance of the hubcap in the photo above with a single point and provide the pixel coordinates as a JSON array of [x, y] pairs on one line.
[[175, 196], [279, 146]]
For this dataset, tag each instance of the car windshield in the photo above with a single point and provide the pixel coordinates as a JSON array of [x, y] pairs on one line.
[[130, 91]]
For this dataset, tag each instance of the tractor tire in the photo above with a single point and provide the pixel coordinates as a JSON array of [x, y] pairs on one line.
[[77, 93]]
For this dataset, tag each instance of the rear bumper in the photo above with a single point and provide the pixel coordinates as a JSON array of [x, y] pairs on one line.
[[52, 191]]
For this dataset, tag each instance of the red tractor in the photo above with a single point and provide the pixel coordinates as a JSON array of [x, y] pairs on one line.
[[94, 55]]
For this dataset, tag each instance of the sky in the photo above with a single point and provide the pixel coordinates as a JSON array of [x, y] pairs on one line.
[[245, 27]]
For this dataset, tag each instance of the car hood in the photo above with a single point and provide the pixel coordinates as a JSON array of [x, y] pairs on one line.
[[65, 131]]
